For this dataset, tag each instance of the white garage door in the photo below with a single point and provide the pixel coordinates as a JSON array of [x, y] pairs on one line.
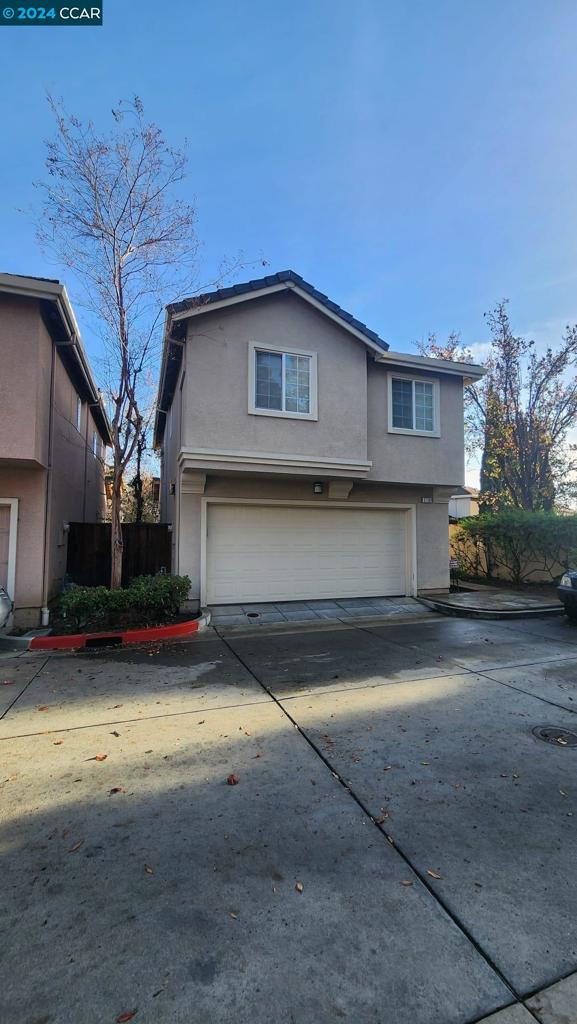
[[277, 553]]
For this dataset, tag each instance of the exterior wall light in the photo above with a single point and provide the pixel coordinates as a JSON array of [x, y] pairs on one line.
[[318, 487]]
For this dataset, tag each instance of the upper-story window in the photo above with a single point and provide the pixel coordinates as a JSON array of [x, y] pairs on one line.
[[414, 406], [78, 413], [95, 444], [282, 382]]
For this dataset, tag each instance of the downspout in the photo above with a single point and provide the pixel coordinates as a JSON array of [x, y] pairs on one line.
[[48, 500], [85, 462]]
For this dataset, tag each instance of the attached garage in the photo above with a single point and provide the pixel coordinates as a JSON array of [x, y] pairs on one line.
[[259, 552]]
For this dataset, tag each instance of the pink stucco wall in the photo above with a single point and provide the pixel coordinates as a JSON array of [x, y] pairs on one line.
[[76, 481]]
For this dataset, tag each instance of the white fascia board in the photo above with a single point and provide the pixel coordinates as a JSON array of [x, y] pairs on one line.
[[470, 371], [233, 300]]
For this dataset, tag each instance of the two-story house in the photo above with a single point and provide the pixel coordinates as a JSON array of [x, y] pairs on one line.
[[53, 435], [301, 457]]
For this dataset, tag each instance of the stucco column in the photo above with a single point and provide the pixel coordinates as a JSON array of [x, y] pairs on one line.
[[189, 527], [433, 545]]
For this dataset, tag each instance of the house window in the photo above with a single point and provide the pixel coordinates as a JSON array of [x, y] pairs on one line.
[[282, 383], [95, 445], [78, 413], [413, 406]]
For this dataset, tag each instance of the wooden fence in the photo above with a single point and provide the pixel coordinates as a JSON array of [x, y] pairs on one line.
[[147, 550]]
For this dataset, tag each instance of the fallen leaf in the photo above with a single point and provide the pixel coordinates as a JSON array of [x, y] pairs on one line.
[[299, 887], [406, 881], [117, 789], [233, 780], [58, 743], [126, 1016], [43, 707], [76, 846], [115, 733], [201, 722], [233, 914], [562, 792], [433, 874], [148, 869], [100, 757]]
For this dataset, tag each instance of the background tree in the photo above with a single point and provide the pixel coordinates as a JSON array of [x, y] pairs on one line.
[[141, 505], [112, 215], [519, 415], [136, 482]]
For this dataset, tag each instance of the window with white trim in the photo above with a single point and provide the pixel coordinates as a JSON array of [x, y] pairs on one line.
[[282, 382], [78, 413], [95, 444], [413, 406]]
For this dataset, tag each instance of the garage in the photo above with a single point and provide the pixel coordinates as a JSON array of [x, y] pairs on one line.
[[292, 553]]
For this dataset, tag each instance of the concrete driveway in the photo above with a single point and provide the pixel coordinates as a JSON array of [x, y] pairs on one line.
[[399, 847]]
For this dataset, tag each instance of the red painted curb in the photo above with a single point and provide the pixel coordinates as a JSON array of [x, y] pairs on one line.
[[129, 636]]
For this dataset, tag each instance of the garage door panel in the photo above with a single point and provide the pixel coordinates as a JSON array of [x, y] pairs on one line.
[[282, 553]]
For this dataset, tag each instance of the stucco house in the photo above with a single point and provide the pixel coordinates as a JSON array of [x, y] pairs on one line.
[[301, 457], [53, 435]]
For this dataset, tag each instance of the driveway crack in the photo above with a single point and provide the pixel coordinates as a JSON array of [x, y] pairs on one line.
[[386, 835]]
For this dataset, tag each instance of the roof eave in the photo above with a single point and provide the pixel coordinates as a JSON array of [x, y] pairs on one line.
[[291, 286], [55, 293], [471, 372]]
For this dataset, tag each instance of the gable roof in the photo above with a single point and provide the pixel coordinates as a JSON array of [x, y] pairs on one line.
[[285, 280]]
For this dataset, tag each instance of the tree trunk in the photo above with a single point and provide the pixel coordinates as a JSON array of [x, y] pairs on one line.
[[139, 498], [116, 542]]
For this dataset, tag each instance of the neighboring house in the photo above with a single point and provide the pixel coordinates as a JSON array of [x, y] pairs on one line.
[[464, 503], [53, 433], [301, 458]]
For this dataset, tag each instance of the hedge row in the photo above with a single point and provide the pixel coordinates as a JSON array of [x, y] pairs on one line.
[[517, 544], [152, 598]]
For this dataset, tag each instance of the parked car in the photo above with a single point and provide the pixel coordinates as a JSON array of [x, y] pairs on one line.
[[567, 591], [5, 608]]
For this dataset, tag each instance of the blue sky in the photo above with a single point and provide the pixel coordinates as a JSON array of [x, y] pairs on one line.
[[416, 161]]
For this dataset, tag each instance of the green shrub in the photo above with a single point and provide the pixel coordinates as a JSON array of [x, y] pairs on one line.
[[517, 544], [150, 599]]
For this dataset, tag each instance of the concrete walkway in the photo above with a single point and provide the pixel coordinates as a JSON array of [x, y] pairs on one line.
[[394, 845], [494, 603], [231, 615]]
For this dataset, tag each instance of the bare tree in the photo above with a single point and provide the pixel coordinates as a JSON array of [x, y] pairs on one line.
[[112, 215]]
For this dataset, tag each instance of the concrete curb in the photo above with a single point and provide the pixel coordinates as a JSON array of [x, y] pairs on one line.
[[463, 612], [78, 641]]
